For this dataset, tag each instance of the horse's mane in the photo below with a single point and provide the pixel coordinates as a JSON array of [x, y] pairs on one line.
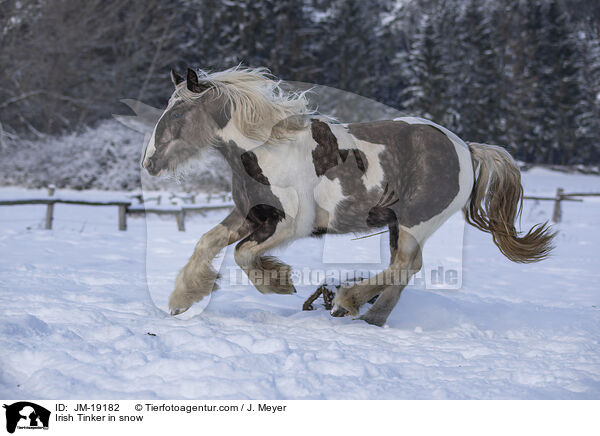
[[261, 109]]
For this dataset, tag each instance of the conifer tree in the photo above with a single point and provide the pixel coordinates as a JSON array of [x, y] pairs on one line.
[[477, 75], [352, 52], [427, 73]]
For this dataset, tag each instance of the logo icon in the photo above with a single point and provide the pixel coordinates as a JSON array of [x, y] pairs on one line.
[[26, 415]]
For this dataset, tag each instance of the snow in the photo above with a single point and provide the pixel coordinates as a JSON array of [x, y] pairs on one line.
[[77, 304]]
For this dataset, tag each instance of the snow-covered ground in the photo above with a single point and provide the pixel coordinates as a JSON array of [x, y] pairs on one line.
[[83, 315]]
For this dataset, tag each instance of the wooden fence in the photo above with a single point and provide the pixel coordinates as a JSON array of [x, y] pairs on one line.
[[127, 207], [559, 198]]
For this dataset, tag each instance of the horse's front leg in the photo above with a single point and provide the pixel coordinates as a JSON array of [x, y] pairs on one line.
[[268, 274], [198, 278]]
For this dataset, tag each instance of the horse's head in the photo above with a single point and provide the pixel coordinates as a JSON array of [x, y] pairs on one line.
[[188, 125]]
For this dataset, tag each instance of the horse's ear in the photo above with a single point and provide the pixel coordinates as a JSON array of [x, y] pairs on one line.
[[192, 81], [176, 78]]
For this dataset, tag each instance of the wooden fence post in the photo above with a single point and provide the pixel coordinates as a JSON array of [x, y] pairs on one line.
[[557, 215], [50, 208], [122, 217], [180, 220]]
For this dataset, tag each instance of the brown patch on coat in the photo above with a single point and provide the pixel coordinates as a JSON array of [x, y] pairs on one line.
[[348, 166], [382, 214], [250, 163], [393, 240], [359, 158], [327, 154], [420, 165]]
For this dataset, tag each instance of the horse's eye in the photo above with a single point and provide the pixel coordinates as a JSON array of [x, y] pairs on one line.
[[177, 115]]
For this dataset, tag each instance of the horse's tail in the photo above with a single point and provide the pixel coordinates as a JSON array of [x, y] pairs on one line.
[[496, 202]]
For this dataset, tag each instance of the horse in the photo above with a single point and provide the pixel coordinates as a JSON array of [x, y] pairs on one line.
[[297, 173]]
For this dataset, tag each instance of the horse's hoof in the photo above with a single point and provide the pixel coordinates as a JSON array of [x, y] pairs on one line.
[[345, 299], [178, 310], [372, 320], [338, 311]]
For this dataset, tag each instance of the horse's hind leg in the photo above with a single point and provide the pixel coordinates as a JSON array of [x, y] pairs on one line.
[[197, 278], [267, 273], [393, 232], [388, 283], [386, 301], [383, 306], [409, 258]]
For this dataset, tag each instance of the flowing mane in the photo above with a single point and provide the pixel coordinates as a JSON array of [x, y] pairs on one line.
[[261, 109]]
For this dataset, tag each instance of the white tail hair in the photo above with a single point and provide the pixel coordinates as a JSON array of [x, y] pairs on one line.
[[496, 203]]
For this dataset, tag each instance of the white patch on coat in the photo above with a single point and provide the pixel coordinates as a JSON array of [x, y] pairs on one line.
[[289, 169], [328, 194], [288, 198], [230, 132], [373, 177]]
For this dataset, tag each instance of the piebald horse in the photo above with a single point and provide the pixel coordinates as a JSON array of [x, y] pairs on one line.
[[297, 174]]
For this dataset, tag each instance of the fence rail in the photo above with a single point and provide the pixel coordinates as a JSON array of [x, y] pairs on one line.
[[127, 207], [559, 198]]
